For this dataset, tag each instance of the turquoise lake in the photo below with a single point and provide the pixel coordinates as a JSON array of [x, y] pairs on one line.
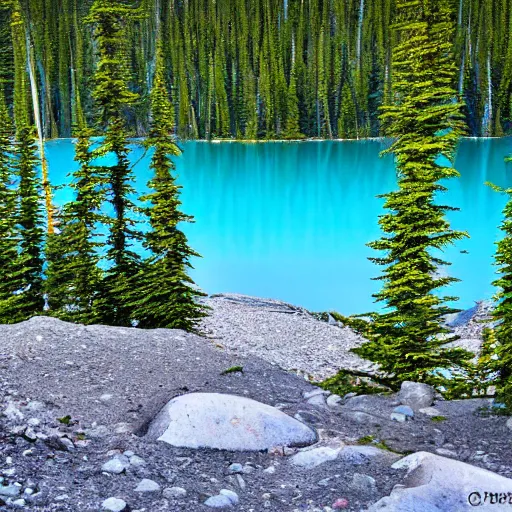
[[291, 221]]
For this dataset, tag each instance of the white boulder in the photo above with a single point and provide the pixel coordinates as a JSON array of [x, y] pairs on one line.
[[227, 422], [438, 484]]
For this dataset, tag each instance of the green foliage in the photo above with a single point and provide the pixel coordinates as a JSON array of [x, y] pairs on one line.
[[438, 419], [495, 363], [233, 369], [408, 339], [73, 277], [345, 382], [113, 100], [164, 294]]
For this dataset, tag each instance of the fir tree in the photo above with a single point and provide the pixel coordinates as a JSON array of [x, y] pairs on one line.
[[73, 276], [496, 359], [166, 295], [292, 130], [8, 235], [408, 338], [28, 299], [112, 99]]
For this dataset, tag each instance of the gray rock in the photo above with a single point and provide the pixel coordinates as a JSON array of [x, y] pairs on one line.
[[445, 452], [435, 484], [116, 465], [430, 411], [174, 492], [334, 401], [232, 496], [114, 505], [227, 422], [137, 461], [240, 481], [10, 491], [317, 401], [404, 409], [19, 503], [509, 423], [236, 468], [12, 413], [364, 483], [416, 395], [396, 416], [360, 454], [218, 501], [147, 485], [314, 457], [315, 392]]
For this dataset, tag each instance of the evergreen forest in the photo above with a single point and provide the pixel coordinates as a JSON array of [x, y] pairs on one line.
[[251, 69]]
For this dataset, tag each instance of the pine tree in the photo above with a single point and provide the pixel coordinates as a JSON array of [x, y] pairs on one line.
[[292, 130], [408, 338], [28, 299], [112, 99], [8, 234], [73, 275], [498, 341], [165, 294]]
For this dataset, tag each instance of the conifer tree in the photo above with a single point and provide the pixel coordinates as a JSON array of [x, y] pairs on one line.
[[8, 235], [113, 98], [165, 294], [292, 129], [73, 276], [408, 338], [496, 358], [28, 299]]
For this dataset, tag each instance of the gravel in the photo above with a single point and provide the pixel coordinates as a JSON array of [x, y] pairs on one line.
[[282, 334]]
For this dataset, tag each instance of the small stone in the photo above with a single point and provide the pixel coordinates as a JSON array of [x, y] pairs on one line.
[[106, 397], [324, 483], [137, 461], [10, 490], [364, 483], [270, 470], [116, 465], [114, 505], [232, 496], [340, 503], [128, 453], [396, 416], [147, 485], [315, 392], [241, 482], [30, 435], [430, 412], [62, 497], [174, 492], [28, 491], [218, 501], [67, 444], [404, 409], [34, 422], [317, 401], [334, 401], [12, 413], [235, 468], [314, 457], [509, 423], [416, 395], [446, 453], [19, 503]]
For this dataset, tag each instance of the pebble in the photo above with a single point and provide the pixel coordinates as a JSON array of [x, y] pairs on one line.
[[314, 457], [334, 401], [114, 505], [235, 468], [404, 409], [509, 423], [19, 503], [174, 492], [446, 453], [364, 483], [232, 496], [146, 485], [10, 490], [241, 482], [340, 503], [430, 411], [218, 501], [270, 470], [396, 416], [116, 465], [136, 461]]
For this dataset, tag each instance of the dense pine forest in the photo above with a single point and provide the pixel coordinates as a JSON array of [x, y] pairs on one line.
[[255, 68]]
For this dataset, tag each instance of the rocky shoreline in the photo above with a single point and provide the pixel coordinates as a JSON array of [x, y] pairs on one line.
[[78, 406]]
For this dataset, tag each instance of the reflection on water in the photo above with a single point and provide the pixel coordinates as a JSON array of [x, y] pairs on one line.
[[291, 220]]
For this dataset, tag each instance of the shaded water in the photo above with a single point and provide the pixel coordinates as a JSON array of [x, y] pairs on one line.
[[290, 220]]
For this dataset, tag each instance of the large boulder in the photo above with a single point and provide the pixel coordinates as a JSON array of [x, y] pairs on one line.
[[416, 395], [227, 422], [438, 484]]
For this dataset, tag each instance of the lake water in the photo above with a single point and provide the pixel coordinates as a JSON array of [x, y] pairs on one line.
[[290, 220]]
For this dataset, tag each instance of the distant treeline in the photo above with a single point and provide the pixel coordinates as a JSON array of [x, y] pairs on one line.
[[259, 68]]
